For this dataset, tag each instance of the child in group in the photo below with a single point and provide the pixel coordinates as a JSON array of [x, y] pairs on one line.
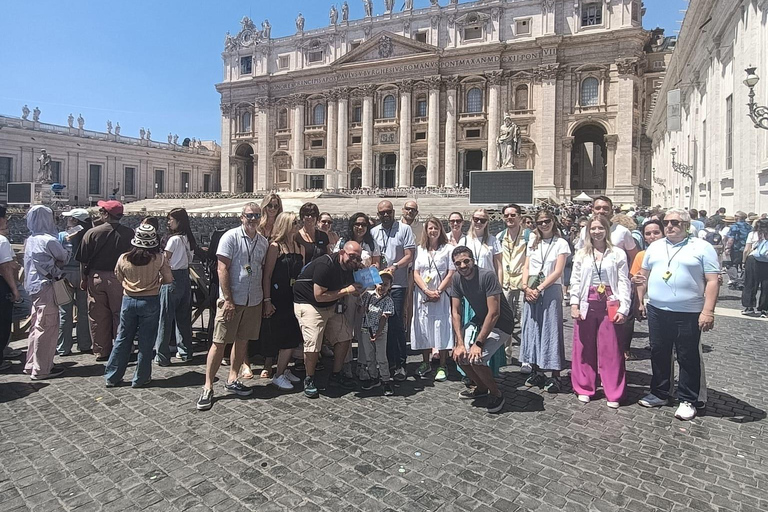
[[377, 308]]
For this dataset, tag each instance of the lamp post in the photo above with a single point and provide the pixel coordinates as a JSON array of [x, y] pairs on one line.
[[685, 170], [757, 113]]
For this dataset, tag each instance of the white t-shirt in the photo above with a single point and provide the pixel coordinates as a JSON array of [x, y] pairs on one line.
[[621, 237], [181, 254], [484, 252], [6, 252], [544, 257]]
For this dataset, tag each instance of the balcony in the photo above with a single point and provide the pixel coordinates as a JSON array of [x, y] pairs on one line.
[[385, 122], [472, 118], [421, 120], [314, 129]]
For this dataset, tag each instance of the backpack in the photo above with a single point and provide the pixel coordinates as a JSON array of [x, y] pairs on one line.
[[714, 238], [639, 241], [760, 253]]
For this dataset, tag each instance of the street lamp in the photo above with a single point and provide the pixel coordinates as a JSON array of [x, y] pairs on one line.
[[757, 113], [680, 168]]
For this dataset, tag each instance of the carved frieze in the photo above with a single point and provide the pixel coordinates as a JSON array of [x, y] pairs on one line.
[[405, 85], [495, 77], [433, 81], [547, 72], [627, 66], [473, 18]]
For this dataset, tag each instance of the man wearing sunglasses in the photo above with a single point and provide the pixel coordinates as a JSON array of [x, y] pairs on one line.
[[680, 275], [410, 213], [241, 254], [621, 237]]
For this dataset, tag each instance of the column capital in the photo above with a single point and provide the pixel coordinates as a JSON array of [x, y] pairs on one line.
[[226, 108], [628, 66], [297, 99], [495, 77], [546, 72], [342, 92], [451, 82], [433, 81], [611, 140], [405, 86], [568, 143], [264, 104], [364, 90]]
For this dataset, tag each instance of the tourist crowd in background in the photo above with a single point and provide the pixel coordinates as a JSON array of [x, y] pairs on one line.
[[288, 289]]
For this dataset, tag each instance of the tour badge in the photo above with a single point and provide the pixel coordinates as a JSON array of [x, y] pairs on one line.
[[601, 289], [666, 276], [383, 261]]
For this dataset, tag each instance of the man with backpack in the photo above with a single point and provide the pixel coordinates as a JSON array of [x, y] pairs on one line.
[[737, 239]]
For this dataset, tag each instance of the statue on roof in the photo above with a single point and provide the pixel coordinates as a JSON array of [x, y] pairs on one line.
[[345, 12], [80, 121], [71, 120], [408, 6], [389, 6], [36, 115], [142, 133], [368, 6], [300, 23], [333, 15], [24, 112], [109, 126], [247, 24], [266, 29]]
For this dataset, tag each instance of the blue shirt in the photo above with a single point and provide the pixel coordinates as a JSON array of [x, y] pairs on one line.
[[739, 232], [245, 253], [43, 258], [687, 263], [392, 244]]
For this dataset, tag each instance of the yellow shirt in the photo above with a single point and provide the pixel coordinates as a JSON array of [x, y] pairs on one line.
[[513, 259]]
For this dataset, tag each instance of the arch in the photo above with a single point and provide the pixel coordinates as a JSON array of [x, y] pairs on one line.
[[282, 119], [474, 100], [419, 179], [245, 122], [521, 97], [588, 158], [318, 114], [356, 178], [575, 126], [245, 155], [590, 92], [389, 107], [281, 160]]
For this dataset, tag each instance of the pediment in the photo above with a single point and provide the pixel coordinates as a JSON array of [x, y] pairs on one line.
[[386, 45]]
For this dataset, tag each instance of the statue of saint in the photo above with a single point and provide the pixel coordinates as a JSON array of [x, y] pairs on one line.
[[345, 12], [24, 112], [109, 126], [170, 138], [266, 29], [408, 6], [36, 115], [149, 134], [368, 6], [389, 5], [117, 128], [80, 121], [299, 23], [176, 139], [71, 120], [115, 191], [333, 15], [435, 3], [141, 133], [508, 143], [44, 168]]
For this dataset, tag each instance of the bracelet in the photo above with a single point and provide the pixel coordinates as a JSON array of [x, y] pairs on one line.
[[268, 299]]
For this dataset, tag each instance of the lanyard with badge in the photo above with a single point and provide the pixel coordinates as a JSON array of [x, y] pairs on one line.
[[385, 243], [601, 287], [432, 265], [248, 268], [511, 246], [668, 274]]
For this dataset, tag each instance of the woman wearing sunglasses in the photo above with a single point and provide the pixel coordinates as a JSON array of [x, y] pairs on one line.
[[486, 248], [455, 223], [542, 334], [314, 241], [271, 207], [325, 224]]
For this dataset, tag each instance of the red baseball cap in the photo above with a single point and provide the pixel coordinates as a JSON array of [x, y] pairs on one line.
[[114, 208]]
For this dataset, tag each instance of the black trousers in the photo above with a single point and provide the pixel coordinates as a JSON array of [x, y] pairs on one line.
[[755, 276], [6, 319]]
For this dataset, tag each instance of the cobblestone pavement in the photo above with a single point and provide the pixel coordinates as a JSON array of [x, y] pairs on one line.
[[71, 444]]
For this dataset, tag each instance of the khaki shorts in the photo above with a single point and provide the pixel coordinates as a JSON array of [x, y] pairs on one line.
[[317, 323], [244, 325]]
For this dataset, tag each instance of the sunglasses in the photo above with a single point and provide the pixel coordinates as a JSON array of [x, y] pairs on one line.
[[462, 263], [456, 221], [409, 209], [272, 206], [675, 223], [543, 222], [310, 215], [479, 220], [510, 215], [386, 212], [252, 216], [354, 257], [326, 222], [360, 225]]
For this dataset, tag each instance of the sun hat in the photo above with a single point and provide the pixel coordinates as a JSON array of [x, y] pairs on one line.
[[145, 237], [80, 214]]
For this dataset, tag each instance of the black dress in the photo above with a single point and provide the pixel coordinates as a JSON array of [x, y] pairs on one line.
[[314, 249], [281, 330]]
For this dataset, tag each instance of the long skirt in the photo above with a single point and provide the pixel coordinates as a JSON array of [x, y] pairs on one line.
[[542, 334]]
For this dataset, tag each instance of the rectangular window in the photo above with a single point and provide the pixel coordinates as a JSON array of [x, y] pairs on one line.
[[729, 132], [523, 27], [357, 114], [159, 181], [420, 36], [421, 136], [354, 44], [472, 33], [282, 144], [659, 64], [592, 15], [316, 143], [356, 139], [473, 134], [5, 172], [315, 56], [206, 182], [246, 65], [421, 108], [635, 11], [56, 172], [284, 62], [94, 180], [129, 181], [185, 182], [704, 148]]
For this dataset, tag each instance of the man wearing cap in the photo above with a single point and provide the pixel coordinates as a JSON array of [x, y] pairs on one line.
[[78, 222], [98, 253], [9, 292]]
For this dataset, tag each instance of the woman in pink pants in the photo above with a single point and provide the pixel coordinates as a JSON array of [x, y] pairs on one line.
[[599, 284]]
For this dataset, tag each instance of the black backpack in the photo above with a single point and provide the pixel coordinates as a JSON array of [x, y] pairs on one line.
[[714, 238]]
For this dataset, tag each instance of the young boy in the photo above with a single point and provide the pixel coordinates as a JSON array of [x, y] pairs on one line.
[[377, 308]]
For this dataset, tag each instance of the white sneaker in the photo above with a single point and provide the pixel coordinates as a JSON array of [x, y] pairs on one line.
[[685, 411], [612, 405], [584, 399], [526, 368], [291, 377], [282, 382]]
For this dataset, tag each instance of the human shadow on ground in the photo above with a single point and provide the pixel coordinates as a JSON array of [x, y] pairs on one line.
[[10, 391]]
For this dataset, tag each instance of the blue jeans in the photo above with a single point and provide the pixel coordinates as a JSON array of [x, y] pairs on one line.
[[175, 305], [137, 315], [66, 319], [397, 352]]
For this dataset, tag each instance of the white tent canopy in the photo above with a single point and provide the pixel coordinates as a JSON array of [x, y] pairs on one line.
[[583, 197]]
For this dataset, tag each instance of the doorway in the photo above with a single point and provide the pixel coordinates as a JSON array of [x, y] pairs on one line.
[[473, 161], [387, 165], [316, 181]]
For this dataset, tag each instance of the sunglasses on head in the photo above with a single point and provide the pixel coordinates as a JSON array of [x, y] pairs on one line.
[[252, 216], [543, 222], [675, 223], [479, 219]]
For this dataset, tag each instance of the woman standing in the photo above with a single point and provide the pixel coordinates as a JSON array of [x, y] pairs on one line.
[[44, 257], [756, 270], [176, 297], [600, 277], [486, 248], [542, 335], [431, 327], [314, 241], [652, 231], [280, 331], [455, 223], [78, 222], [325, 224], [271, 207], [141, 271]]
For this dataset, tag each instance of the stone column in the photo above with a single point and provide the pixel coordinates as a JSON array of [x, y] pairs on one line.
[[406, 116], [367, 92], [611, 141], [297, 138], [433, 131], [262, 180], [342, 180], [547, 143], [451, 108], [567, 150], [494, 118], [330, 140], [228, 176]]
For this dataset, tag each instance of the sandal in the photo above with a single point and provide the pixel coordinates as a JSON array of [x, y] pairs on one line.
[[245, 371], [264, 374]]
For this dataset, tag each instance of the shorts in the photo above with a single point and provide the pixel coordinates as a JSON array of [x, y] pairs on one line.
[[319, 323], [245, 324], [492, 343]]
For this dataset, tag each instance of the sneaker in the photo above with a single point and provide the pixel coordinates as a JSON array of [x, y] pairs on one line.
[[536, 380], [685, 411], [764, 314], [162, 362], [11, 353], [339, 380], [225, 362], [472, 394], [310, 390], [143, 384], [612, 405], [264, 374], [101, 359], [495, 403], [651, 400], [205, 401], [282, 382], [748, 311], [423, 370], [56, 371], [584, 399], [370, 384], [184, 359], [441, 376], [5, 365], [291, 377], [388, 389], [466, 381], [238, 388], [526, 368], [64, 354], [110, 384], [400, 375], [552, 385]]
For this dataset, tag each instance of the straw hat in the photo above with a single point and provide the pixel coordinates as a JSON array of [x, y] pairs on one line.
[[145, 237]]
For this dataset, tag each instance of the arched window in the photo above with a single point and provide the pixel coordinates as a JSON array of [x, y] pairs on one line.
[[521, 97], [245, 122], [590, 90], [356, 178], [420, 177], [389, 107], [282, 119], [318, 114], [474, 100]]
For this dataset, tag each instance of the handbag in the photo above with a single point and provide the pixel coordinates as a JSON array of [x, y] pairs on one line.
[[63, 292], [535, 281]]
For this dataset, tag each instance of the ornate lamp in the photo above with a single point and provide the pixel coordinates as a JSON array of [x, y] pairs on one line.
[[680, 168], [757, 113]]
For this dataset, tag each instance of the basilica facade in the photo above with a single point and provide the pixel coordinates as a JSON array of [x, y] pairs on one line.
[[416, 98]]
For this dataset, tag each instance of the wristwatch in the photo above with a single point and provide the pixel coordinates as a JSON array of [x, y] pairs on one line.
[[480, 343], [396, 266]]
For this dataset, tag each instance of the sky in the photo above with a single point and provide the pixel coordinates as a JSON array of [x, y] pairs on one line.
[[149, 63]]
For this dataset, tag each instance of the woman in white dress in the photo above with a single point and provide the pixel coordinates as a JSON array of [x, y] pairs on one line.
[[485, 247], [432, 273]]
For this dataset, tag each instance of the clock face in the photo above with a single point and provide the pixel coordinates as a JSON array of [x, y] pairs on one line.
[[246, 37]]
